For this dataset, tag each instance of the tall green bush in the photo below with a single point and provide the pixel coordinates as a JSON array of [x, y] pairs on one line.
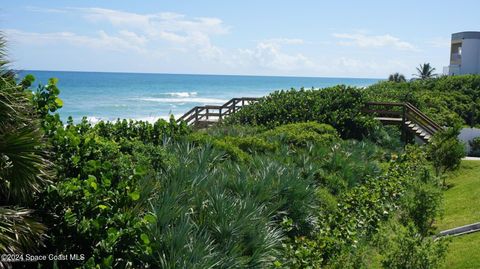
[[339, 106], [404, 248], [445, 150]]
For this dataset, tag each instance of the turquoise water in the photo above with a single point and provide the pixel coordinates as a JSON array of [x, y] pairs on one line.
[[108, 96]]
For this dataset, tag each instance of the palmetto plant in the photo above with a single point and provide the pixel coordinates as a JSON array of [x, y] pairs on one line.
[[396, 77], [23, 169], [212, 212], [425, 71]]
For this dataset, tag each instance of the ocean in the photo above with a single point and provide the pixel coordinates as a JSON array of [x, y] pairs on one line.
[[148, 97]]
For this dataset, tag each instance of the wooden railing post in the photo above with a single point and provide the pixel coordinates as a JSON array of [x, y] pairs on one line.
[[196, 115]]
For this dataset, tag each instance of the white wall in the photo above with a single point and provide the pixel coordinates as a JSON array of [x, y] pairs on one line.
[[467, 134], [470, 56]]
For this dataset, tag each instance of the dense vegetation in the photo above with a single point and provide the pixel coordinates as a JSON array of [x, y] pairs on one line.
[[302, 179], [338, 106], [449, 100]]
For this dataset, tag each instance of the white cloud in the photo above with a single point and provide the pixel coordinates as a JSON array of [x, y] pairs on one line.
[[154, 23], [269, 54], [152, 32], [138, 31], [125, 41], [44, 10], [173, 42], [186, 34], [115, 17], [286, 41], [373, 41], [440, 42]]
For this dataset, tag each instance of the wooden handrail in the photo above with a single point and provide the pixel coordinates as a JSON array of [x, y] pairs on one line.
[[408, 113], [423, 116], [384, 104], [194, 115]]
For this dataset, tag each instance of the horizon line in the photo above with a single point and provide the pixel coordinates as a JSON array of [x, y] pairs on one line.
[[195, 74]]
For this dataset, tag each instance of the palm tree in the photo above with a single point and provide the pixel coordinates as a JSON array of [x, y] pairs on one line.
[[397, 77], [23, 169], [425, 71]]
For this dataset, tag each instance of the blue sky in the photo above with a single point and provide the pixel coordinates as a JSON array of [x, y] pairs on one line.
[[263, 37]]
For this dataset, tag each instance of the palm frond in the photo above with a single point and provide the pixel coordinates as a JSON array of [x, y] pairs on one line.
[[5, 71], [27, 169], [20, 232], [425, 71]]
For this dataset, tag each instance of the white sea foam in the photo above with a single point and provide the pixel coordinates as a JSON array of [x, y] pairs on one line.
[[151, 119], [93, 120], [184, 100], [181, 94]]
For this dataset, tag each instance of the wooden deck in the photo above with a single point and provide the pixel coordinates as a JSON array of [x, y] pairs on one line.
[[201, 116]]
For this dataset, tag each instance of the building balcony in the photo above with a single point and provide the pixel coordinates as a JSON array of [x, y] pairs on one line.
[[453, 69], [455, 59]]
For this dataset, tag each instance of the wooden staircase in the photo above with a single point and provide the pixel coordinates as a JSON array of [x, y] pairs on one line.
[[405, 114], [205, 116]]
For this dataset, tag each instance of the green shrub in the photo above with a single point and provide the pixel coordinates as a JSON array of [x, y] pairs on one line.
[[237, 148], [146, 132], [403, 247], [343, 165], [231, 150], [210, 211], [339, 106], [445, 150], [300, 252], [302, 133], [235, 130], [448, 100], [421, 203], [475, 147], [252, 144]]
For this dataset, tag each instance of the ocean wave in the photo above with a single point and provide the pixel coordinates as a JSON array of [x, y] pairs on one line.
[[151, 119], [184, 100], [181, 94], [93, 120]]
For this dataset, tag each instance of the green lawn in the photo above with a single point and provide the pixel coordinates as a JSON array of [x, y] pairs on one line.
[[462, 199], [462, 206], [464, 252]]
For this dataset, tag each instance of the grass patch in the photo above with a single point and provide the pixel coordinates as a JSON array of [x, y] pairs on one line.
[[462, 199], [462, 207], [463, 252]]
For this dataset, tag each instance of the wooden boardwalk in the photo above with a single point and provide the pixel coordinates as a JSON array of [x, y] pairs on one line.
[[410, 118]]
